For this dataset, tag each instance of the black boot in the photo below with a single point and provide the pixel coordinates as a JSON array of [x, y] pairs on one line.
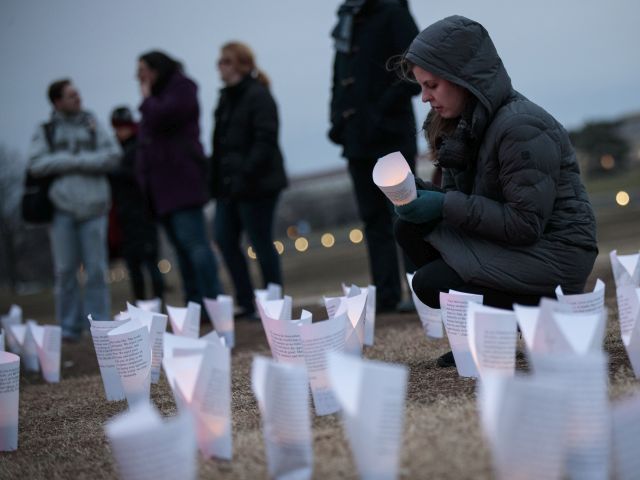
[[447, 360]]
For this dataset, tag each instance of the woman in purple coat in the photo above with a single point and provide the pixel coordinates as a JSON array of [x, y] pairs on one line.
[[172, 170]]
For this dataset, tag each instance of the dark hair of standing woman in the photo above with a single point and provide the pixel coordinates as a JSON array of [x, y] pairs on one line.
[[163, 65]]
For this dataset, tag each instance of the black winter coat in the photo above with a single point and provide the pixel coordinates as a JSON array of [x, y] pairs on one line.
[[518, 218], [371, 110], [247, 163]]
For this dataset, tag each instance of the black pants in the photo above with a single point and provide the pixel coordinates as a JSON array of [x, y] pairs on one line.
[[376, 212], [135, 266], [434, 275], [255, 217]]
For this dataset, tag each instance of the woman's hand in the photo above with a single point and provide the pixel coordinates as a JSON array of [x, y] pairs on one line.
[[145, 88], [425, 208]]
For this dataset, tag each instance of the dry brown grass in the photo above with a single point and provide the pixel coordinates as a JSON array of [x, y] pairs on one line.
[[61, 426]]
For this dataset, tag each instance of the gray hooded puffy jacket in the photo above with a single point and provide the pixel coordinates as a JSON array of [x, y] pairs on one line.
[[525, 224]]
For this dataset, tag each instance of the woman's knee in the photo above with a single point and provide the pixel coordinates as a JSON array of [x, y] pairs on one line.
[[425, 288]]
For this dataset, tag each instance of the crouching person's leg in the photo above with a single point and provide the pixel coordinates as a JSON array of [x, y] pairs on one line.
[[428, 282], [433, 278]]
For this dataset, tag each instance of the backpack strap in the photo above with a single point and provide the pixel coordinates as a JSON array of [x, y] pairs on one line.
[[49, 130]]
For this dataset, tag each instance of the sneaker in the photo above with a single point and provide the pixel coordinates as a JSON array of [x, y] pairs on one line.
[[447, 360]]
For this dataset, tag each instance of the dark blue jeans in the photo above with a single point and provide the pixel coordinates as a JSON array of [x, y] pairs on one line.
[[255, 217], [198, 267]]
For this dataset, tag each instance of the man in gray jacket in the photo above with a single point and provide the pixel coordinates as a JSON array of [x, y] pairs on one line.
[[75, 149]]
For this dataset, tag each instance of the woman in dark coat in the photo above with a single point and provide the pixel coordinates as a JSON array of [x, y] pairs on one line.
[[247, 170], [171, 169], [512, 219]]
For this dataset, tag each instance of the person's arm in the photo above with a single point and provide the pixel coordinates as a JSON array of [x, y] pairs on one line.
[[172, 108], [264, 122], [403, 30], [43, 162], [104, 158], [529, 161]]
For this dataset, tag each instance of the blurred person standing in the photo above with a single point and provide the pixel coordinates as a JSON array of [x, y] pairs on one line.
[[247, 170], [172, 171], [371, 116], [138, 229], [76, 149]]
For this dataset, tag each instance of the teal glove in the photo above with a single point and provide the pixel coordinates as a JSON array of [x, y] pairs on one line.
[[425, 208]]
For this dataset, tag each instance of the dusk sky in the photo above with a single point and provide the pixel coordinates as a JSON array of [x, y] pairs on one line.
[[577, 58]]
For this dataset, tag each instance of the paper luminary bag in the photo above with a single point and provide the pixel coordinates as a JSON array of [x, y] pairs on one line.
[[370, 309], [588, 440], [13, 317], [318, 339], [492, 335], [29, 349], [431, 318], [629, 316], [284, 336], [372, 397], [590, 302], [626, 431], [220, 311], [25, 345], [272, 292], [175, 345], [525, 419], [178, 346], [48, 341], [122, 316], [626, 268], [154, 305], [393, 176], [156, 323], [354, 306], [277, 308], [131, 351], [185, 321], [282, 393], [146, 447], [454, 316], [554, 328], [9, 397], [200, 378], [106, 361]]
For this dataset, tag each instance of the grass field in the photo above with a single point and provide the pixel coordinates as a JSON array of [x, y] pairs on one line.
[[61, 425]]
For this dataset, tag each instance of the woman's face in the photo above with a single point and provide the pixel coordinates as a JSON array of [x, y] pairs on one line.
[[446, 98], [146, 74], [227, 68]]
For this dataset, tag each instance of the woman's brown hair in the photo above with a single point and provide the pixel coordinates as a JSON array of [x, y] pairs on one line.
[[244, 61]]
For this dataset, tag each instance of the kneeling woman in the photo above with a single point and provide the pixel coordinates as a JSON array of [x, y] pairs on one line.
[[512, 219]]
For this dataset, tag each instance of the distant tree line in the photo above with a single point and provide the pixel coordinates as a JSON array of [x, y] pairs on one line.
[[602, 148]]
